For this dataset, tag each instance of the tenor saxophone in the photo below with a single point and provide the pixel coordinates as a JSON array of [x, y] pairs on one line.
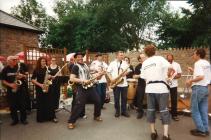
[[118, 80]]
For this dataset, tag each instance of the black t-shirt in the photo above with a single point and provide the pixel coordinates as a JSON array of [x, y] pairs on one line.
[[137, 72], [75, 70], [70, 67], [53, 71], [23, 68], [9, 74], [130, 74]]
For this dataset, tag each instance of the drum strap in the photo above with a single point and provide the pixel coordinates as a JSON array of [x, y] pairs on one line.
[[152, 82]]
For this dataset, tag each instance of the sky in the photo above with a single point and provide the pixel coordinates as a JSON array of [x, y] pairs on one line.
[[6, 5]]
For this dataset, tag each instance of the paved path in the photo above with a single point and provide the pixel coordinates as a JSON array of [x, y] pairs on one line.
[[110, 129]]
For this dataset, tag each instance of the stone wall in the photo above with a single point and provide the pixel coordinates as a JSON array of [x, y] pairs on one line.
[[182, 56], [13, 41]]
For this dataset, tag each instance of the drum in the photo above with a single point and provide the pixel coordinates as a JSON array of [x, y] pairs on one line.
[[184, 101], [132, 86]]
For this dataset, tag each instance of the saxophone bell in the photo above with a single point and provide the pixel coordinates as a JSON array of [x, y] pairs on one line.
[[18, 82]]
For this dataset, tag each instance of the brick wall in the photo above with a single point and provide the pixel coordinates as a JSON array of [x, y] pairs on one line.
[[12, 41], [182, 56]]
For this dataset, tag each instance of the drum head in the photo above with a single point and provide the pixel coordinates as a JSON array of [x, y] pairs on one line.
[[131, 80]]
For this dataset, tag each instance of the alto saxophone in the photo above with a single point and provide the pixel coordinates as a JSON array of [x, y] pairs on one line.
[[17, 81], [46, 82]]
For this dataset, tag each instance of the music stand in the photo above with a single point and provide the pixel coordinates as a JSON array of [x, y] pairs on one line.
[[64, 103]]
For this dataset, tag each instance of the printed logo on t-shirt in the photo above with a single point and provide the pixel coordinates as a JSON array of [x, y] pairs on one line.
[[11, 74], [149, 66]]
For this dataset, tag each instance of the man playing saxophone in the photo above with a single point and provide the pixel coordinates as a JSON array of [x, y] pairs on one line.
[[80, 75], [98, 66], [118, 70], [13, 77]]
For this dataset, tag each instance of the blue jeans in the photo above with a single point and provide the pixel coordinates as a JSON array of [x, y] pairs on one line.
[[101, 90], [199, 107]]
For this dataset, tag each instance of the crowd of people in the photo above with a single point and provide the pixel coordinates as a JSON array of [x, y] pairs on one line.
[[157, 78]]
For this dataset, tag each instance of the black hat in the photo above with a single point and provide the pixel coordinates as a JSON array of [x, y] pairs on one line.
[[78, 53], [98, 54]]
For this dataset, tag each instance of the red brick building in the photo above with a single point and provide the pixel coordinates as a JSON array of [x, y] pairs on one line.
[[16, 34]]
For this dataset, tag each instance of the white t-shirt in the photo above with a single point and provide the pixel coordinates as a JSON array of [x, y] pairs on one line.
[[177, 69], [202, 68], [113, 70], [99, 66], [155, 68]]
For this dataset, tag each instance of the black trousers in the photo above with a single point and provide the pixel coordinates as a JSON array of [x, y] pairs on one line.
[[173, 93], [28, 100], [120, 91], [140, 92], [82, 97], [17, 101], [74, 102]]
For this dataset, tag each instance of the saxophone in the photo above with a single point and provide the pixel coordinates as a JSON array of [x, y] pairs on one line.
[[119, 79], [17, 81], [46, 82], [92, 81]]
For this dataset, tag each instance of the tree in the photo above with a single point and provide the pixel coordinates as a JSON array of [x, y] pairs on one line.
[[33, 13], [192, 29], [103, 25]]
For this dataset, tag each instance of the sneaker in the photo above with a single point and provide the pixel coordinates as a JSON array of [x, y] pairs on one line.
[[166, 137], [71, 126], [125, 114], [99, 119], [196, 132], [154, 136]]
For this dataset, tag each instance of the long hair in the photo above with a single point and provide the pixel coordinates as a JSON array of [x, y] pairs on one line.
[[38, 65]]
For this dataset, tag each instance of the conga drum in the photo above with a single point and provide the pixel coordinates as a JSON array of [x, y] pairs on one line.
[[184, 101], [131, 93]]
